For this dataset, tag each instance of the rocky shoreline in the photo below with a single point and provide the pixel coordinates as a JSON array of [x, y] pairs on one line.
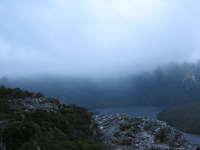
[[122, 132]]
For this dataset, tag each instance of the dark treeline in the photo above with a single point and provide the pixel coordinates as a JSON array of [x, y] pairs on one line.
[[169, 85]]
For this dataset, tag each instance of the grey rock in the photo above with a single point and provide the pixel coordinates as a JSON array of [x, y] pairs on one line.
[[121, 131], [48, 104]]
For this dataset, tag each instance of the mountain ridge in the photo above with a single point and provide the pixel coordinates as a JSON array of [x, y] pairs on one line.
[[168, 85]]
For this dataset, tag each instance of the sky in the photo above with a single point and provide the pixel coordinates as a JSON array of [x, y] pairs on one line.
[[101, 38]]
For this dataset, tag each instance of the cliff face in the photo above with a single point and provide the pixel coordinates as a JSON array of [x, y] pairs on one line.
[[123, 132]]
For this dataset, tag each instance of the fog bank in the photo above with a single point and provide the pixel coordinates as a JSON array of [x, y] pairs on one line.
[[96, 38]]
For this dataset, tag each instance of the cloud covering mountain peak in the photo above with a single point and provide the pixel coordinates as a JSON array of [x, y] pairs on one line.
[[96, 38]]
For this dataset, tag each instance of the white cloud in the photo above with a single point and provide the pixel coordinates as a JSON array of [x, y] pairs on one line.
[[102, 37]]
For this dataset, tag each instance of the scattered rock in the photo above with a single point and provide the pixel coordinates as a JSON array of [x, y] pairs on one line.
[[120, 131], [49, 104]]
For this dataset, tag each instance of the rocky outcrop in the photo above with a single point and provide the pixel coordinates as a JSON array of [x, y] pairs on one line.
[[48, 104], [123, 132], [46, 123]]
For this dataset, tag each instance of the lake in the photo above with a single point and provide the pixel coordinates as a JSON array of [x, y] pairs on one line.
[[148, 111]]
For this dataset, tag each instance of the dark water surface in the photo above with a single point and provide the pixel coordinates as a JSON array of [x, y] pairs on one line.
[[148, 111]]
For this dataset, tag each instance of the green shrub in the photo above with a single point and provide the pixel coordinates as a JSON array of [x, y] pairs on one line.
[[69, 129]]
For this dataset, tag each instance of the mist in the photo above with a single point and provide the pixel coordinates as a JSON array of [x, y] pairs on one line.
[[101, 38]]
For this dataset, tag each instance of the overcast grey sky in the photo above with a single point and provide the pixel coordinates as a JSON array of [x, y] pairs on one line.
[[96, 37]]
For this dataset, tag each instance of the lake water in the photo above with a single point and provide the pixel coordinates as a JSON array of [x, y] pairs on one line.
[[149, 111]]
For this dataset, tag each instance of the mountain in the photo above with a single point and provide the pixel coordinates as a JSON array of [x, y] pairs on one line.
[[183, 117], [168, 85], [84, 92], [31, 121]]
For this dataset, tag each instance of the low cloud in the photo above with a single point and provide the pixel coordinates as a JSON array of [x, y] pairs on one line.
[[96, 37]]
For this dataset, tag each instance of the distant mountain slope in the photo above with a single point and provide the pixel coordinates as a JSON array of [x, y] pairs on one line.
[[184, 117], [168, 85]]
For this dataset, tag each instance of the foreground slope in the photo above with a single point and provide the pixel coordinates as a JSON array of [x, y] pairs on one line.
[[29, 121], [120, 131]]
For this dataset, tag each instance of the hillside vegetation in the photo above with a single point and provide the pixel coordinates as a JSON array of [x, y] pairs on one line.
[[29, 128], [183, 117]]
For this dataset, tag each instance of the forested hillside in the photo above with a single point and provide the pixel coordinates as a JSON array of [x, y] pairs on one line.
[[183, 117], [168, 85]]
